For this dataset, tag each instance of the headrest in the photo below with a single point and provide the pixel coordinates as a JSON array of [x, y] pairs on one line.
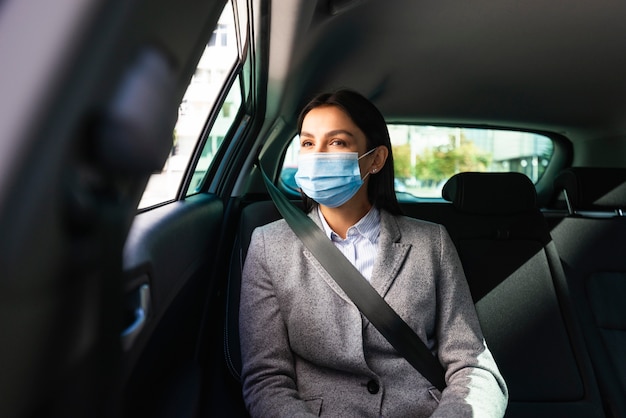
[[491, 193], [593, 188]]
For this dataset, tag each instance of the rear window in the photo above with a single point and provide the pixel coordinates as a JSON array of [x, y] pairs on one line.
[[425, 157]]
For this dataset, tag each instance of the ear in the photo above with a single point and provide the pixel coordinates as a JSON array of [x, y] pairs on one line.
[[380, 156]]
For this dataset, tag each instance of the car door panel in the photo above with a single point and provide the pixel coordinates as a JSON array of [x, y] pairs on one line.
[[169, 250]]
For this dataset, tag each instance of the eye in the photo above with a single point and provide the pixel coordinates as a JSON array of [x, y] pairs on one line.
[[306, 143], [338, 142]]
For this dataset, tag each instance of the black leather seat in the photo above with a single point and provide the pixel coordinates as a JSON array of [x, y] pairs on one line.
[[520, 293], [591, 242]]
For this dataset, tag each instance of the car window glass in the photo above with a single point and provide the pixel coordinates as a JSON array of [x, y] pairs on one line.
[[214, 141], [214, 67], [425, 157]]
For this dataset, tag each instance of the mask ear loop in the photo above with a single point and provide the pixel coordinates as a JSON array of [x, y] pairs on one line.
[[368, 153], [365, 155]]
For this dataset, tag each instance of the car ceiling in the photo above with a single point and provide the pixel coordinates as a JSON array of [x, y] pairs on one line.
[[556, 66]]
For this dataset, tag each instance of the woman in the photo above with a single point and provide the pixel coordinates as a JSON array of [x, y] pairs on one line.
[[306, 349]]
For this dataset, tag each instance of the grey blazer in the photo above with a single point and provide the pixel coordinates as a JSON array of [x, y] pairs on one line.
[[307, 350]]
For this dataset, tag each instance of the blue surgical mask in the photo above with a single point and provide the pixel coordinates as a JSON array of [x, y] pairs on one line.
[[330, 178]]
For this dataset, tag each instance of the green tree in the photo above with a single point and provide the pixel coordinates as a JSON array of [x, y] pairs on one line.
[[439, 163], [401, 161]]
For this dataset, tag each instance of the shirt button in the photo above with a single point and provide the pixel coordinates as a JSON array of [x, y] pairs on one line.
[[373, 387]]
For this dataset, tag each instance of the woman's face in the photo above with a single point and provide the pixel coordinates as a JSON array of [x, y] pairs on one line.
[[330, 129]]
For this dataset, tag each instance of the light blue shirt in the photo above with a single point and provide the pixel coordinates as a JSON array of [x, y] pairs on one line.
[[361, 243]]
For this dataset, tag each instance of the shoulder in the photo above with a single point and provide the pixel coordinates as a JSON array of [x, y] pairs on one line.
[[403, 229], [416, 223], [274, 242], [278, 226], [407, 226], [276, 230]]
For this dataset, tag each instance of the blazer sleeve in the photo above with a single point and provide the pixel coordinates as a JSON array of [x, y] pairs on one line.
[[269, 381], [472, 375]]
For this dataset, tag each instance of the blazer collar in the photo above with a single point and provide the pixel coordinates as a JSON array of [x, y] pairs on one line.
[[391, 254], [389, 259]]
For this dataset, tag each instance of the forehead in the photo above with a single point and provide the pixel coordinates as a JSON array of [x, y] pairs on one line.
[[322, 119]]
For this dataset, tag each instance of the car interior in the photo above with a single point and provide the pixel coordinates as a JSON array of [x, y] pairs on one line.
[[134, 134]]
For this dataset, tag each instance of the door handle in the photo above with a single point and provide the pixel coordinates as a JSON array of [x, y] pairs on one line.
[[140, 316]]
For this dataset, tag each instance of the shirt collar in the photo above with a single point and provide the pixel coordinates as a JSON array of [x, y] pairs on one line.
[[368, 226]]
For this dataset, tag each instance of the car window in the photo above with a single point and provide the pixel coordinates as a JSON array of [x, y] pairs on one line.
[[425, 157], [215, 139], [201, 96]]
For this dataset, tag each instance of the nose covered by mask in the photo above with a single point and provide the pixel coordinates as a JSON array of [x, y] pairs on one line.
[[330, 178]]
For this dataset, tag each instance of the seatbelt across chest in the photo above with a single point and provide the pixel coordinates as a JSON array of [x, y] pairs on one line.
[[358, 289]]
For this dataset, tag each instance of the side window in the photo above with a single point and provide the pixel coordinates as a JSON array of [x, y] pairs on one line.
[[214, 67], [425, 157], [215, 140]]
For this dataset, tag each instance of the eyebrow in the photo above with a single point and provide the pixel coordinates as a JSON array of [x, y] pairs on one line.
[[330, 133]]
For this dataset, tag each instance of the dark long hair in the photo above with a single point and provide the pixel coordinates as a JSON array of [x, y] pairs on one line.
[[370, 121]]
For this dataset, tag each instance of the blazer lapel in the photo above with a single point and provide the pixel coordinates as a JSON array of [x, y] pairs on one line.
[[391, 254], [389, 259]]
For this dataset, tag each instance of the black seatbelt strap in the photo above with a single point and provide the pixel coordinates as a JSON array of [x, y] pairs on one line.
[[358, 289]]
